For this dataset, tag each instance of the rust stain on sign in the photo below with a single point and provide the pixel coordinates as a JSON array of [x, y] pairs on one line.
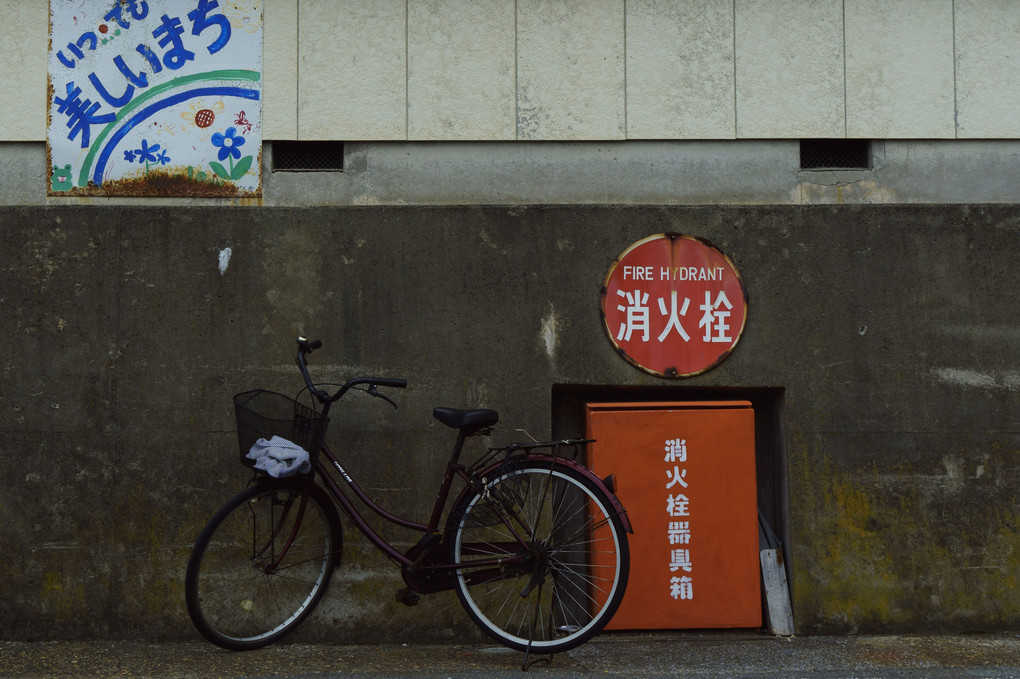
[[160, 183]]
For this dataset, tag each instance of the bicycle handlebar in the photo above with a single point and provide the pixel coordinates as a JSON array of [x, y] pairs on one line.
[[306, 347], [394, 382]]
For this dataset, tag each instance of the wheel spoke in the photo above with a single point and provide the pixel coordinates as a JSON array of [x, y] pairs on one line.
[[254, 575], [575, 566]]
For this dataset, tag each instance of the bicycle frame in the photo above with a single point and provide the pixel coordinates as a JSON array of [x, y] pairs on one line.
[[414, 562], [430, 530], [412, 566], [275, 528]]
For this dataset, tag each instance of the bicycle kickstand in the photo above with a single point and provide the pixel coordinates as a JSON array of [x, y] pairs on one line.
[[531, 638]]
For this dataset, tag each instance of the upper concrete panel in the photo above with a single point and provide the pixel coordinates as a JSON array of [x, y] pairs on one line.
[[899, 69], [680, 69], [280, 69], [602, 70], [570, 70], [789, 68], [352, 70], [23, 46], [988, 68], [461, 67]]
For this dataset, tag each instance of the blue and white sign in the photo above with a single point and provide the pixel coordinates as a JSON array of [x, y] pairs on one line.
[[155, 98]]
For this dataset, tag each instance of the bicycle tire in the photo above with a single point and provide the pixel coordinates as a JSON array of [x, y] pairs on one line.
[[577, 576], [236, 598]]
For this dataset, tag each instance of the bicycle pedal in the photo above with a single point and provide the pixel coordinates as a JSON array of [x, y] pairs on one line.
[[408, 597]]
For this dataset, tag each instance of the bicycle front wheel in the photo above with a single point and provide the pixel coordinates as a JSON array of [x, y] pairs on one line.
[[261, 564], [564, 555]]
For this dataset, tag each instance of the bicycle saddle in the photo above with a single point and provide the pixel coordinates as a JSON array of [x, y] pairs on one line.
[[467, 420]]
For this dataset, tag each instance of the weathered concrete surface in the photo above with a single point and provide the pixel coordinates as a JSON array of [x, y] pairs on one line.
[[746, 172], [892, 332], [731, 655]]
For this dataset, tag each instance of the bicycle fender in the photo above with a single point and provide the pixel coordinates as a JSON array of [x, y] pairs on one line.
[[579, 468]]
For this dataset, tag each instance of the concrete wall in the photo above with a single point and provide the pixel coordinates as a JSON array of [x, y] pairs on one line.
[[880, 349], [890, 332], [498, 70], [627, 172]]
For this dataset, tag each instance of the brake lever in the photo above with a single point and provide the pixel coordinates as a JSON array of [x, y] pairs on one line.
[[372, 391]]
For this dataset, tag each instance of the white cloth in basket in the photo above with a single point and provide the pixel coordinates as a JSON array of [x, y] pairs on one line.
[[279, 457]]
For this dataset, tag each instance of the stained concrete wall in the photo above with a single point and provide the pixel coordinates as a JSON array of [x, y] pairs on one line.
[[891, 333], [605, 173]]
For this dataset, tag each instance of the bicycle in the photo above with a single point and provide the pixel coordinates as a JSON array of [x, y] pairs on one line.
[[535, 544]]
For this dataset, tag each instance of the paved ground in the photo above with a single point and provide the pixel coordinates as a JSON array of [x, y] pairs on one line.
[[663, 654]]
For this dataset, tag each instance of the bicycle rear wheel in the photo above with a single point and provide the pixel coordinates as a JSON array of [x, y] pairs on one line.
[[565, 583], [262, 563]]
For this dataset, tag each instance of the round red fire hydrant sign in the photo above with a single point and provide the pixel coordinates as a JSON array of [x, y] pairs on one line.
[[674, 305]]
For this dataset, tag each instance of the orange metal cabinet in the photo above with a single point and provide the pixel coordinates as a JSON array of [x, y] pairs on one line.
[[686, 474]]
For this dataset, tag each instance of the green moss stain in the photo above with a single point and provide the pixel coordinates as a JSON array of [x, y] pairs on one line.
[[158, 542], [900, 548], [1005, 573], [64, 598], [848, 576]]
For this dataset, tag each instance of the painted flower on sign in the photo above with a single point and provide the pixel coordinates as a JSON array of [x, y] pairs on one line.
[[201, 116], [147, 154], [153, 153], [228, 143]]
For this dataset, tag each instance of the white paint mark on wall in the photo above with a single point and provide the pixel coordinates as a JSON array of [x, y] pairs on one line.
[[973, 379], [548, 332], [225, 259], [953, 478]]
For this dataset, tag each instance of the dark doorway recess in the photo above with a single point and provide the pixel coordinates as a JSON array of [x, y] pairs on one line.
[[568, 421]]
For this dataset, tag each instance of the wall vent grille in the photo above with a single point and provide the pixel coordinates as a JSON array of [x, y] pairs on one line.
[[835, 154], [308, 156]]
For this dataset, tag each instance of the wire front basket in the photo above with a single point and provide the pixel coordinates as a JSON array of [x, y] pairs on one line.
[[264, 414]]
